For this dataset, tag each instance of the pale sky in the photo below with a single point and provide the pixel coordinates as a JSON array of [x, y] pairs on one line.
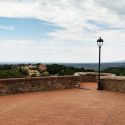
[[61, 30]]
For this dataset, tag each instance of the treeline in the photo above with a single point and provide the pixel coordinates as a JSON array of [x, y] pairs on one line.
[[15, 71], [11, 71], [119, 71], [55, 69]]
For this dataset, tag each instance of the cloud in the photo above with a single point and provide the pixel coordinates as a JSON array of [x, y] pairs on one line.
[[63, 51], [82, 21], [10, 28], [70, 14], [44, 51], [116, 7]]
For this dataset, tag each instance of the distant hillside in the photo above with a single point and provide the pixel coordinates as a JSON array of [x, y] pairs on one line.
[[94, 66]]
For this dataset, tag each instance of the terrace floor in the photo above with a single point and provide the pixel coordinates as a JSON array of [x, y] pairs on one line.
[[85, 106]]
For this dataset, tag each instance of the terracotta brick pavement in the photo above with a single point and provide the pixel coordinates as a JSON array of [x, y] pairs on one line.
[[85, 106]]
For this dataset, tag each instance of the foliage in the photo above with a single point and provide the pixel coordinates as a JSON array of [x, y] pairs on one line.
[[45, 73], [11, 71], [120, 71], [10, 74], [90, 70], [5, 67], [33, 75], [55, 69], [23, 72], [17, 70]]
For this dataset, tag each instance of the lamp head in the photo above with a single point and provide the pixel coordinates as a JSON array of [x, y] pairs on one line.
[[100, 42]]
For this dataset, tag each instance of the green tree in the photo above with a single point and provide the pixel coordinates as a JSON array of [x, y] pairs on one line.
[[120, 71], [10, 74]]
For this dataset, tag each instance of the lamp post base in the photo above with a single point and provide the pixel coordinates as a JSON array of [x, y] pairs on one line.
[[99, 86]]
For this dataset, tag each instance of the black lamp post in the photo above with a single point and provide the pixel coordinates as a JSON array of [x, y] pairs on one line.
[[99, 43]]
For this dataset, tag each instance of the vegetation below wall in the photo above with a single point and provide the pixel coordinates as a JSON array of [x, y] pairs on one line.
[[17, 70], [67, 70], [11, 74], [11, 71], [119, 71], [55, 69]]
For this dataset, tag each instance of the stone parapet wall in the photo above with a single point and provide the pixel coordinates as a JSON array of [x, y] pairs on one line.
[[91, 76], [113, 83], [20, 85]]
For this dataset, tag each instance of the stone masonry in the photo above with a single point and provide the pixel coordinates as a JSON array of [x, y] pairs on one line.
[[32, 84]]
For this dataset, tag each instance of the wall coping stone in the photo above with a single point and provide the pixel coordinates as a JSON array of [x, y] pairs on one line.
[[35, 78], [93, 73], [113, 77]]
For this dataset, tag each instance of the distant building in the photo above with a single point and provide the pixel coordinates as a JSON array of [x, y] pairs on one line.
[[42, 67], [36, 71]]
